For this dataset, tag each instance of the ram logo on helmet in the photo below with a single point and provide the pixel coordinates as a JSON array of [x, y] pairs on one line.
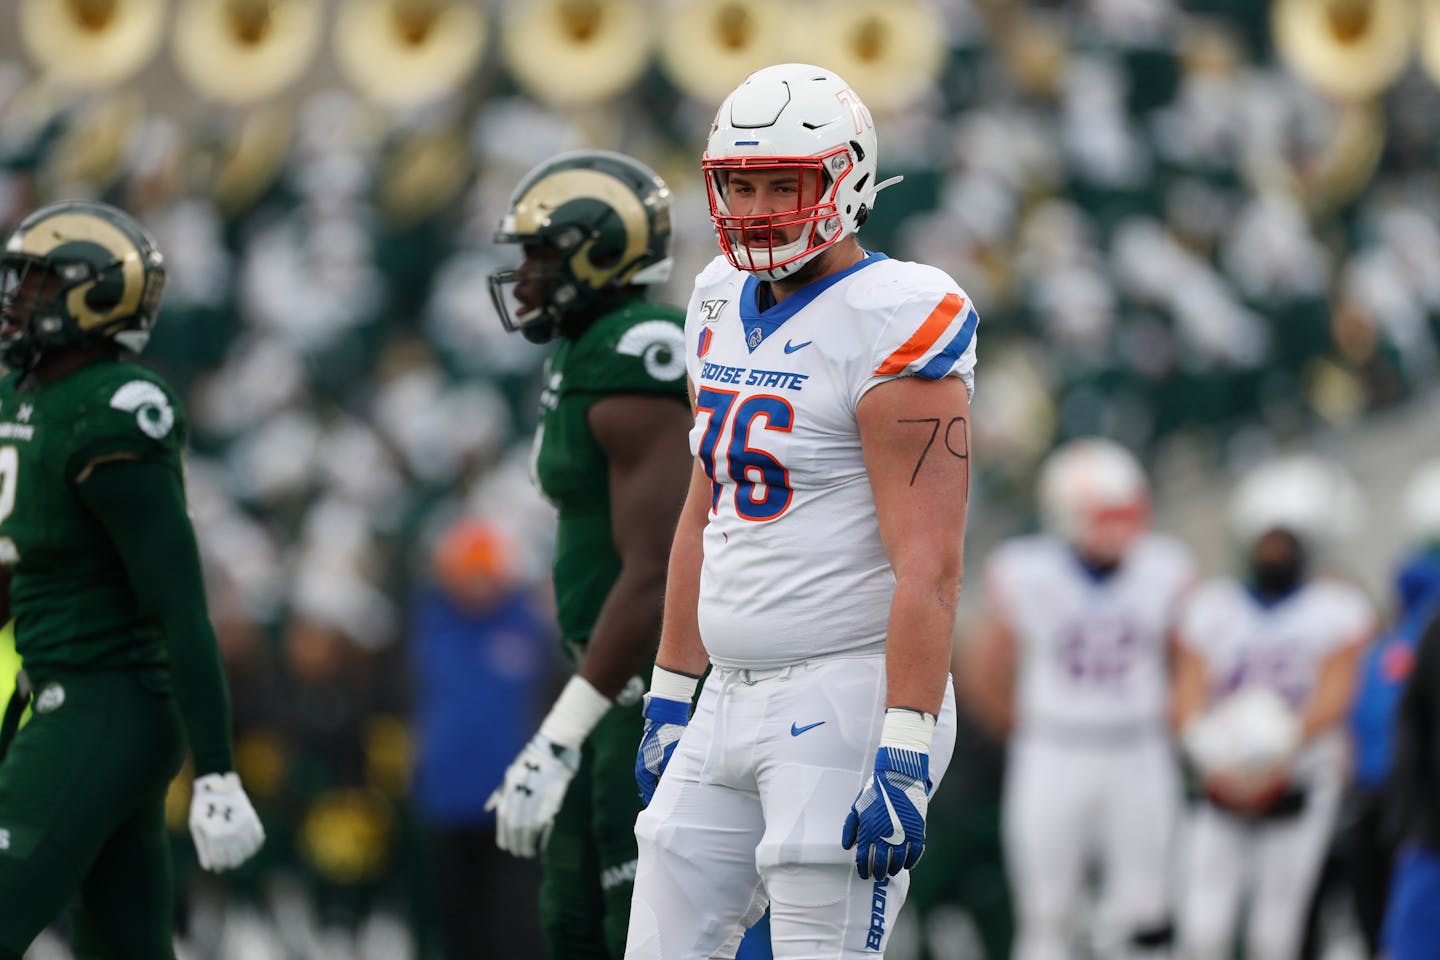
[[77, 272]]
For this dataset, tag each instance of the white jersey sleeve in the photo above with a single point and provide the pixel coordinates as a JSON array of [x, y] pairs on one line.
[[708, 300], [929, 332], [1347, 610], [1202, 615]]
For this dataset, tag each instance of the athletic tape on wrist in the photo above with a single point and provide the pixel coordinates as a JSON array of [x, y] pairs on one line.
[[907, 729], [672, 685], [575, 713]]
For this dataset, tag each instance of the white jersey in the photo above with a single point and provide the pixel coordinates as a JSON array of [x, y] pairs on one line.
[[1281, 646], [1092, 652], [794, 567]]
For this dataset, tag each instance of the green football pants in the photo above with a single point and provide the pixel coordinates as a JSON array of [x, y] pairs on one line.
[[82, 794], [589, 862]]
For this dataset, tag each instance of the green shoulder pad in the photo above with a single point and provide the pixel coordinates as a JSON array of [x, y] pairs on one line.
[[640, 349], [125, 410]]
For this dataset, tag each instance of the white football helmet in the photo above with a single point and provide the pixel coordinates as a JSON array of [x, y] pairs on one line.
[[1093, 494], [1422, 504], [1244, 735], [1313, 499], [786, 116]]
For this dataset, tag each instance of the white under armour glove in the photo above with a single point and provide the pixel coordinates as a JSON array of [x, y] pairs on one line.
[[527, 800], [224, 825]]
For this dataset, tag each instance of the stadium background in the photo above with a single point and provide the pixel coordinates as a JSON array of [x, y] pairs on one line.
[[1176, 235]]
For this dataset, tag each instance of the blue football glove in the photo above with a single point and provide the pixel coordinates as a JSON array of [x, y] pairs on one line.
[[665, 720], [886, 824]]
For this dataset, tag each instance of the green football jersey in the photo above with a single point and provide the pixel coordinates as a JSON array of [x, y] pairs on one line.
[[69, 594], [638, 349]]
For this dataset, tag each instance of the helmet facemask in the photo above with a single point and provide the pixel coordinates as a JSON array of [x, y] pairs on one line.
[[536, 318], [38, 302], [749, 240]]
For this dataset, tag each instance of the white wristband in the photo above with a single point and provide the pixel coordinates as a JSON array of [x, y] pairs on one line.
[[671, 685], [575, 713], [907, 729]]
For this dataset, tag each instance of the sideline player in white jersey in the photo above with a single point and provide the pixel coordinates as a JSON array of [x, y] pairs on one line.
[[817, 562], [1075, 665], [1272, 774]]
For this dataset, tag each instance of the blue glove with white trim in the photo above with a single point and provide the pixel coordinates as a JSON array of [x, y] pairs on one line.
[[886, 823], [667, 712]]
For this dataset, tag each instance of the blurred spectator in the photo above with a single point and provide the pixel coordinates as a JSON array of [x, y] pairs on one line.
[[1412, 922], [481, 653], [1367, 844]]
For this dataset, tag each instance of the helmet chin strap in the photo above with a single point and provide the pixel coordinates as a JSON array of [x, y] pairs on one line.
[[888, 182]]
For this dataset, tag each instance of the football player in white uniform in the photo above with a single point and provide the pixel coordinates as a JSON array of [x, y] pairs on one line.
[[1074, 664], [817, 562], [1262, 709]]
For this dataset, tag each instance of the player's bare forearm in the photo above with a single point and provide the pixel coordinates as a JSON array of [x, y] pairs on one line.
[[917, 651], [915, 434], [645, 443], [625, 634], [988, 676], [1334, 690], [681, 649]]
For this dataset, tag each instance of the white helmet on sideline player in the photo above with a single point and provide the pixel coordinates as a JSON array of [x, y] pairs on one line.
[[1422, 504], [1313, 499], [786, 116], [1093, 494]]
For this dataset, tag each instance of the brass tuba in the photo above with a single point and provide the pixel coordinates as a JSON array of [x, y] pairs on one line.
[[92, 153], [1430, 38], [401, 53], [92, 44], [245, 51], [569, 53], [240, 159], [891, 52], [708, 46], [1350, 49]]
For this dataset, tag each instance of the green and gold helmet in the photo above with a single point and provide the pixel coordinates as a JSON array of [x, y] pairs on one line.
[[76, 272], [595, 225]]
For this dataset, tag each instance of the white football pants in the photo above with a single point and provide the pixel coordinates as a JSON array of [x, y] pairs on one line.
[[1273, 865], [1072, 802], [750, 811]]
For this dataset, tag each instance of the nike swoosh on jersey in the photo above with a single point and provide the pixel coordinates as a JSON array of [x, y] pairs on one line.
[[897, 833], [791, 348], [795, 730]]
